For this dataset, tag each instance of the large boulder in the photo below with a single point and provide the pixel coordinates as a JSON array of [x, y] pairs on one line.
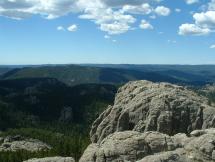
[[52, 159], [145, 106], [152, 146], [128, 146], [17, 143]]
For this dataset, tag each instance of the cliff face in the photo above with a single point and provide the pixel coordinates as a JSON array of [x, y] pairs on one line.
[[145, 120]]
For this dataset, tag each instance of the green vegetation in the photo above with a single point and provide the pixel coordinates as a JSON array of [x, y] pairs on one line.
[[71, 75], [33, 108], [47, 100], [57, 104], [209, 92], [72, 144], [76, 75]]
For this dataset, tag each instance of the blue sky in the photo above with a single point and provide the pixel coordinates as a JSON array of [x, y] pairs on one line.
[[103, 31]]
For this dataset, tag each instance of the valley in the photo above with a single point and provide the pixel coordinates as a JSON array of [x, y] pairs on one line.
[[58, 104]]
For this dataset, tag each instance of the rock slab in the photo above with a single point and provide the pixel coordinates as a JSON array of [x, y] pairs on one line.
[[131, 146], [16, 143], [52, 159]]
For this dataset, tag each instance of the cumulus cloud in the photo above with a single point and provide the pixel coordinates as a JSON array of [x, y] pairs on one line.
[[115, 28], [145, 25], [72, 28], [144, 9], [205, 19], [162, 11], [49, 9], [113, 17], [110, 21], [189, 2], [193, 29], [204, 23]]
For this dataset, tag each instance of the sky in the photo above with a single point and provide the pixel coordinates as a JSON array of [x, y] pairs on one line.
[[107, 31]]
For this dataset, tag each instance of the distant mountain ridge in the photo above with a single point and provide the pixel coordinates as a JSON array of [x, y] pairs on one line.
[[117, 74]]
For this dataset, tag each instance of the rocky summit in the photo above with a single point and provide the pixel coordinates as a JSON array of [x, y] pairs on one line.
[[145, 106], [154, 122]]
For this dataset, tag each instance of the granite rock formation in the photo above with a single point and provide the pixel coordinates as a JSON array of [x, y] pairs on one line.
[[145, 106], [154, 122]]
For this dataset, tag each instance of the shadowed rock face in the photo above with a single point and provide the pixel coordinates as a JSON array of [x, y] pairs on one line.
[[153, 147], [145, 106]]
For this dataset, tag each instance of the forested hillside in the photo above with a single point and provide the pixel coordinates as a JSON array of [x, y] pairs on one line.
[[75, 75], [57, 104], [117, 74], [51, 111]]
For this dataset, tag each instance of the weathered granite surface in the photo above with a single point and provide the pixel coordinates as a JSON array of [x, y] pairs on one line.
[[154, 122], [145, 106]]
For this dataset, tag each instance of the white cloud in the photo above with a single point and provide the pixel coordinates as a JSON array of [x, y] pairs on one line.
[[204, 22], [115, 28], [212, 46], [49, 9], [211, 5], [144, 9], [162, 11], [193, 29], [118, 3], [145, 25], [60, 28], [72, 28], [110, 21], [189, 2], [205, 19], [178, 10], [112, 16]]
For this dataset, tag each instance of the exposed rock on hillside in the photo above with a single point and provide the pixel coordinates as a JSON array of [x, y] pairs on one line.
[[16, 143], [52, 159], [153, 147], [145, 106]]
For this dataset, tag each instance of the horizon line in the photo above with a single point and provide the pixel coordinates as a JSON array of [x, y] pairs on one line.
[[55, 64]]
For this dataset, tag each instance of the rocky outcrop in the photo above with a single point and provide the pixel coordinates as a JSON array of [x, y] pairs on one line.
[[52, 159], [154, 122], [145, 106], [153, 147], [16, 143]]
